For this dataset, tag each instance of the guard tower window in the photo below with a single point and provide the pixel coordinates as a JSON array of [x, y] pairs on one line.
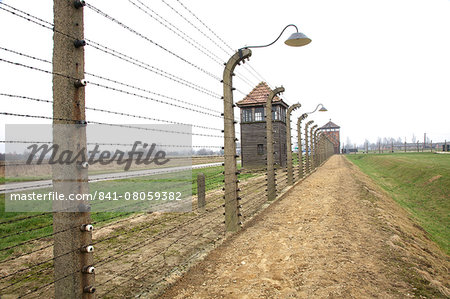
[[259, 114], [260, 149], [283, 114], [247, 115], [276, 113]]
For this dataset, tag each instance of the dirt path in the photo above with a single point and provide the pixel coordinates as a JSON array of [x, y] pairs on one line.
[[334, 235]]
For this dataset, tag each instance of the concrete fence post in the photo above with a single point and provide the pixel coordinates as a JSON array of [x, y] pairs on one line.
[[312, 141], [316, 148], [330, 148], [301, 170], [201, 192], [232, 222], [307, 154], [320, 143], [313, 147], [271, 190], [290, 167], [71, 253], [320, 140]]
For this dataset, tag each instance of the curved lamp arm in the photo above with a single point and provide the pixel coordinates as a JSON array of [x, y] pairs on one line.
[[247, 47], [316, 109]]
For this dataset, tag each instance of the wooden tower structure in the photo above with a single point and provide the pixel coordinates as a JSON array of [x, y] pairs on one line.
[[253, 128], [332, 131]]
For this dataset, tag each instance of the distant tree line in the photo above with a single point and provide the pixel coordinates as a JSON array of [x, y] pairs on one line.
[[383, 142]]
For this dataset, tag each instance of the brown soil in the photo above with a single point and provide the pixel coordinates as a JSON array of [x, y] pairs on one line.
[[335, 234], [437, 177], [152, 251]]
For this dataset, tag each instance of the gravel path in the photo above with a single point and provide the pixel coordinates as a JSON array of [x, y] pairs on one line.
[[335, 235]]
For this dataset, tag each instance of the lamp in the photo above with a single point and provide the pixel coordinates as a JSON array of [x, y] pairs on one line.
[[296, 39], [322, 109]]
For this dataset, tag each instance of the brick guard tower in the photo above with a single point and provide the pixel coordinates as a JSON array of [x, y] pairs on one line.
[[332, 131], [253, 128]]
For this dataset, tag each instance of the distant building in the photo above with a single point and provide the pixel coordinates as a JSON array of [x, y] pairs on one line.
[[331, 130], [253, 128]]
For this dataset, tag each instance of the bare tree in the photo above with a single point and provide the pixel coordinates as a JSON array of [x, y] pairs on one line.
[[348, 143]]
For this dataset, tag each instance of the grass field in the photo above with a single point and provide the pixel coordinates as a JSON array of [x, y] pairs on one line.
[[420, 183], [16, 229]]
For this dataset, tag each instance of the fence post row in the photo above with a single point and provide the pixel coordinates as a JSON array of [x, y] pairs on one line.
[[319, 152], [319, 148], [324, 147], [316, 149], [329, 147], [290, 170], [404, 146], [311, 160], [73, 271], [271, 190], [232, 222], [299, 141], [313, 147], [307, 146], [72, 250]]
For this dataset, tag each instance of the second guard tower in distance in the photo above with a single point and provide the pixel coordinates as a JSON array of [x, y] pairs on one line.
[[332, 131], [253, 128]]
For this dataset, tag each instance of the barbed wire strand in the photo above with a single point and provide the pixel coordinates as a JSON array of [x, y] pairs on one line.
[[114, 81], [112, 112], [111, 88], [114, 20], [204, 34], [177, 31], [220, 39], [97, 46]]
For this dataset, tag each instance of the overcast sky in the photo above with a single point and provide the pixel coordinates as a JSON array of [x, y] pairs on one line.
[[381, 68]]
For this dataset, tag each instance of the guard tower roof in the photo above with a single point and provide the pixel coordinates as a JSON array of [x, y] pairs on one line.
[[258, 97], [330, 125]]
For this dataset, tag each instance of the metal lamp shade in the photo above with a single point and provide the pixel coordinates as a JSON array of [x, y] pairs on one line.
[[297, 39], [323, 109]]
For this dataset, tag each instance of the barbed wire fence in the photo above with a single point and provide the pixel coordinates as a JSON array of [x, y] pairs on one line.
[[381, 147], [48, 254]]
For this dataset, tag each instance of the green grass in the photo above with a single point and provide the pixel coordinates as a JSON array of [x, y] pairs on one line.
[[4, 180], [13, 233], [420, 183]]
